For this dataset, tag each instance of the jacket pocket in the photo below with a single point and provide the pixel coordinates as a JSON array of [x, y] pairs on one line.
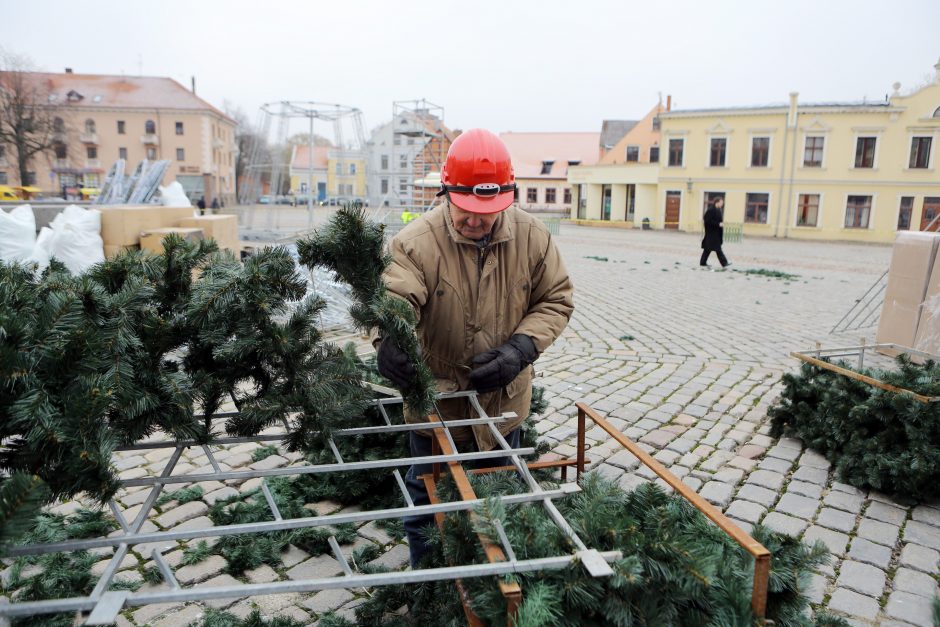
[[520, 383]]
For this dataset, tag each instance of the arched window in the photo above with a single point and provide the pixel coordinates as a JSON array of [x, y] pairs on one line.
[[149, 127], [89, 126], [936, 113], [58, 125]]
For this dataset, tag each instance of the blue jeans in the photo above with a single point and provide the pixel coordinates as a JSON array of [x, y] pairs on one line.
[[415, 525]]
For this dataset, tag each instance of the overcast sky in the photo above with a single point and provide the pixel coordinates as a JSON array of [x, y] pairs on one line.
[[507, 66]]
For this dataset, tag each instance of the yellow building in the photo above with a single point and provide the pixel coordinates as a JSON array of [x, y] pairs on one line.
[[830, 171], [346, 175], [102, 118]]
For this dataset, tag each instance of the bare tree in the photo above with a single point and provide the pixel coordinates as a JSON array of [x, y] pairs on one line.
[[250, 144], [29, 123]]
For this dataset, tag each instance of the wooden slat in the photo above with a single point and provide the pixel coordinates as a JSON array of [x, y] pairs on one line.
[[863, 378], [512, 592], [756, 549]]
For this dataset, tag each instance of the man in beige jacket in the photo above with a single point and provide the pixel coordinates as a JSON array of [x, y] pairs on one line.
[[491, 293]]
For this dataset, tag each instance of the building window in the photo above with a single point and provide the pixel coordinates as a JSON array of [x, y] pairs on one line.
[[532, 194], [936, 112], [92, 152], [654, 154], [402, 185], [606, 198], [656, 123], [89, 126], [573, 163], [58, 125], [384, 162], [3, 178], [120, 127], [149, 127], [920, 152], [567, 196], [633, 154], [857, 212], [3, 152], [675, 152], [813, 152], [760, 152], [807, 211], [30, 178], [339, 168], [122, 153], [180, 154], [631, 203], [755, 210], [716, 157], [547, 167], [179, 128], [865, 152], [151, 153], [550, 196], [352, 168], [403, 162], [904, 213], [384, 186], [60, 151]]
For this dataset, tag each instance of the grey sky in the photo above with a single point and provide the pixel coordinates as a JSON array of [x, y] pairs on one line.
[[509, 65]]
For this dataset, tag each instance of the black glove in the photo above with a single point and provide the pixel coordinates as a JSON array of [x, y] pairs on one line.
[[395, 365], [496, 368]]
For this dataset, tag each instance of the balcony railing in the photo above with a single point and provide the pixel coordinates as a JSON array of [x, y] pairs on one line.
[[93, 163], [89, 138], [150, 139]]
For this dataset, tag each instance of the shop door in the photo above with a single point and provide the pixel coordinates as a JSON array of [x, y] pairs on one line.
[[673, 203], [931, 211]]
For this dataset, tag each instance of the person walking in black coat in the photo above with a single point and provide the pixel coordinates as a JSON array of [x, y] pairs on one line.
[[714, 233]]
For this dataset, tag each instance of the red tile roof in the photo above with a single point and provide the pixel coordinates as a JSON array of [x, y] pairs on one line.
[[301, 157], [130, 92], [530, 150]]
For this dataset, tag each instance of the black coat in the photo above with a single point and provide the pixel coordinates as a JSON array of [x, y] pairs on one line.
[[714, 233]]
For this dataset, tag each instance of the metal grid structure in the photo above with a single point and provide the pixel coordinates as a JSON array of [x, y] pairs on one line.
[[348, 137], [104, 604], [867, 310]]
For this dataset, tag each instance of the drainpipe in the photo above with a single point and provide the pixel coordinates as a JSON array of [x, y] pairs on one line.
[[791, 113], [792, 123]]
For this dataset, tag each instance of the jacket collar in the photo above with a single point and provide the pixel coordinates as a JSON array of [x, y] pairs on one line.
[[502, 229]]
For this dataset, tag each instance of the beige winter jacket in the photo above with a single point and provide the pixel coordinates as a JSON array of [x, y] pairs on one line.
[[470, 300]]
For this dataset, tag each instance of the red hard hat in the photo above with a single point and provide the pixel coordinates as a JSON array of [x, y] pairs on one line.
[[478, 175]]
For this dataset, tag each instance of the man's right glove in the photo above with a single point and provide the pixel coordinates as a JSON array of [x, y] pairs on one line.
[[497, 367], [395, 365]]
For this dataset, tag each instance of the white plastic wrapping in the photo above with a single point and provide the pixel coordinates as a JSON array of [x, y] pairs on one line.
[[17, 234]]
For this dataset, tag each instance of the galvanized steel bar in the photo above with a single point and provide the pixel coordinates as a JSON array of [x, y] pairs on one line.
[[281, 525]]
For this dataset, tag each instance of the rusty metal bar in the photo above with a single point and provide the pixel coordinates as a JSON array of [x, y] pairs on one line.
[[512, 592], [756, 549], [825, 365]]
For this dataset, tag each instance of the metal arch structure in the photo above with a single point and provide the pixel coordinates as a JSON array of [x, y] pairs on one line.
[[104, 604], [348, 136]]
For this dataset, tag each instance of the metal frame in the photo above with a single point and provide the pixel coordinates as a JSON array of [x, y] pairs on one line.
[[105, 604], [817, 358]]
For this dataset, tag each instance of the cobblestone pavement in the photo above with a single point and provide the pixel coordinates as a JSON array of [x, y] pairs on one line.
[[684, 360], [687, 360]]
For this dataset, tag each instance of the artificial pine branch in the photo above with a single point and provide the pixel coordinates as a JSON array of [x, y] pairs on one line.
[[354, 249]]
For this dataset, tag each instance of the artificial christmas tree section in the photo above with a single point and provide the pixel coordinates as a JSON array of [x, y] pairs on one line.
[[879, 428]]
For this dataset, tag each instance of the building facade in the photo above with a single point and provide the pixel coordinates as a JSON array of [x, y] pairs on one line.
[[856, 171], [102, 118], [542, 162], [403, 154]]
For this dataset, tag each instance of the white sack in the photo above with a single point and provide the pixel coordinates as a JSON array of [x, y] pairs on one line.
[[77, 248], [82, 219], [17, 233], [173, 195]]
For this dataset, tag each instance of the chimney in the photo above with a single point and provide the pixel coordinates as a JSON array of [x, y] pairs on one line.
[[68, 70], [194, 83], [668, 102]]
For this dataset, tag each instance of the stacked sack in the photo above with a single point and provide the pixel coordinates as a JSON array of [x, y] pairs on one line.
[[73, 238]]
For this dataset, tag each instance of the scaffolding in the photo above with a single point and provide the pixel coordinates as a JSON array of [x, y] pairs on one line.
[[348, 143], [420, 141]]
